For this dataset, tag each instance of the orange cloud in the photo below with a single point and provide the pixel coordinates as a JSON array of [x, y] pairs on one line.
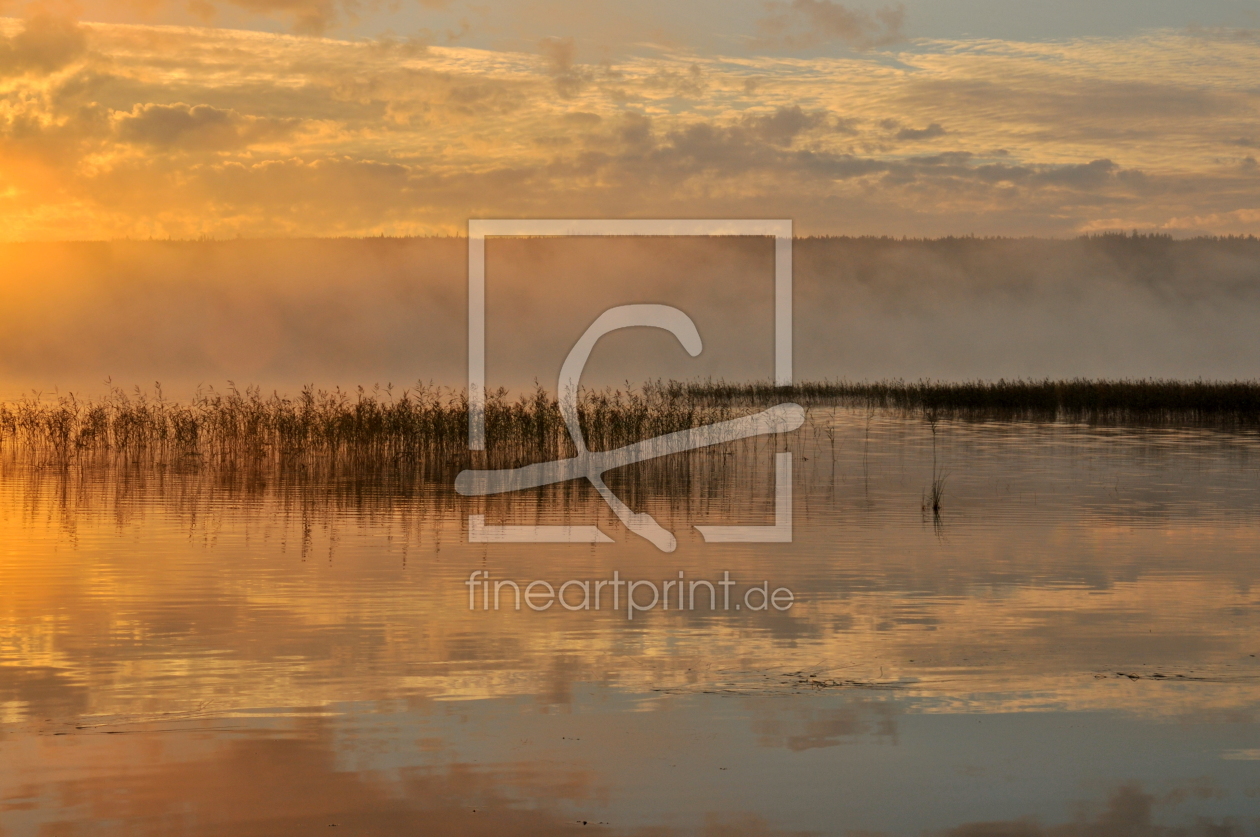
[[45, 43], [198, 127], [122, 130]]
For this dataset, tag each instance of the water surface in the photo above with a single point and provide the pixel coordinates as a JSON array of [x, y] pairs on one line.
[[1068, 648]]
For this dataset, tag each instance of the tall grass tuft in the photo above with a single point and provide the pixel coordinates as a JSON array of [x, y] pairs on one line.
[[937, 493]]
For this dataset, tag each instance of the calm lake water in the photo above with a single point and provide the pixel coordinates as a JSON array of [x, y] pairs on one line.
[[1069, 648]]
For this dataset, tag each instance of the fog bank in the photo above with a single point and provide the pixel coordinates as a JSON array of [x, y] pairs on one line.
[[346, 312]]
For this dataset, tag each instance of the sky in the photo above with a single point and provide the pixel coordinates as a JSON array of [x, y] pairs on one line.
[[257, 118]]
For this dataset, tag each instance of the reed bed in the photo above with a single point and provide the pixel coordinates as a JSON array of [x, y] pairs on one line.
[[1137, 401], [363, 450], [426, 423], [420, 423]]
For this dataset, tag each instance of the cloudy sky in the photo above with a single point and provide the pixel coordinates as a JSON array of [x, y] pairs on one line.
[[152, 118]]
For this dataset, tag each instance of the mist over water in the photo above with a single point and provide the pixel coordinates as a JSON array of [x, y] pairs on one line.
[[346, 312]]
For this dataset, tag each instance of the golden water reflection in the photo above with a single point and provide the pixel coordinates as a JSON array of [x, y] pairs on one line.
[[191, 650]]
